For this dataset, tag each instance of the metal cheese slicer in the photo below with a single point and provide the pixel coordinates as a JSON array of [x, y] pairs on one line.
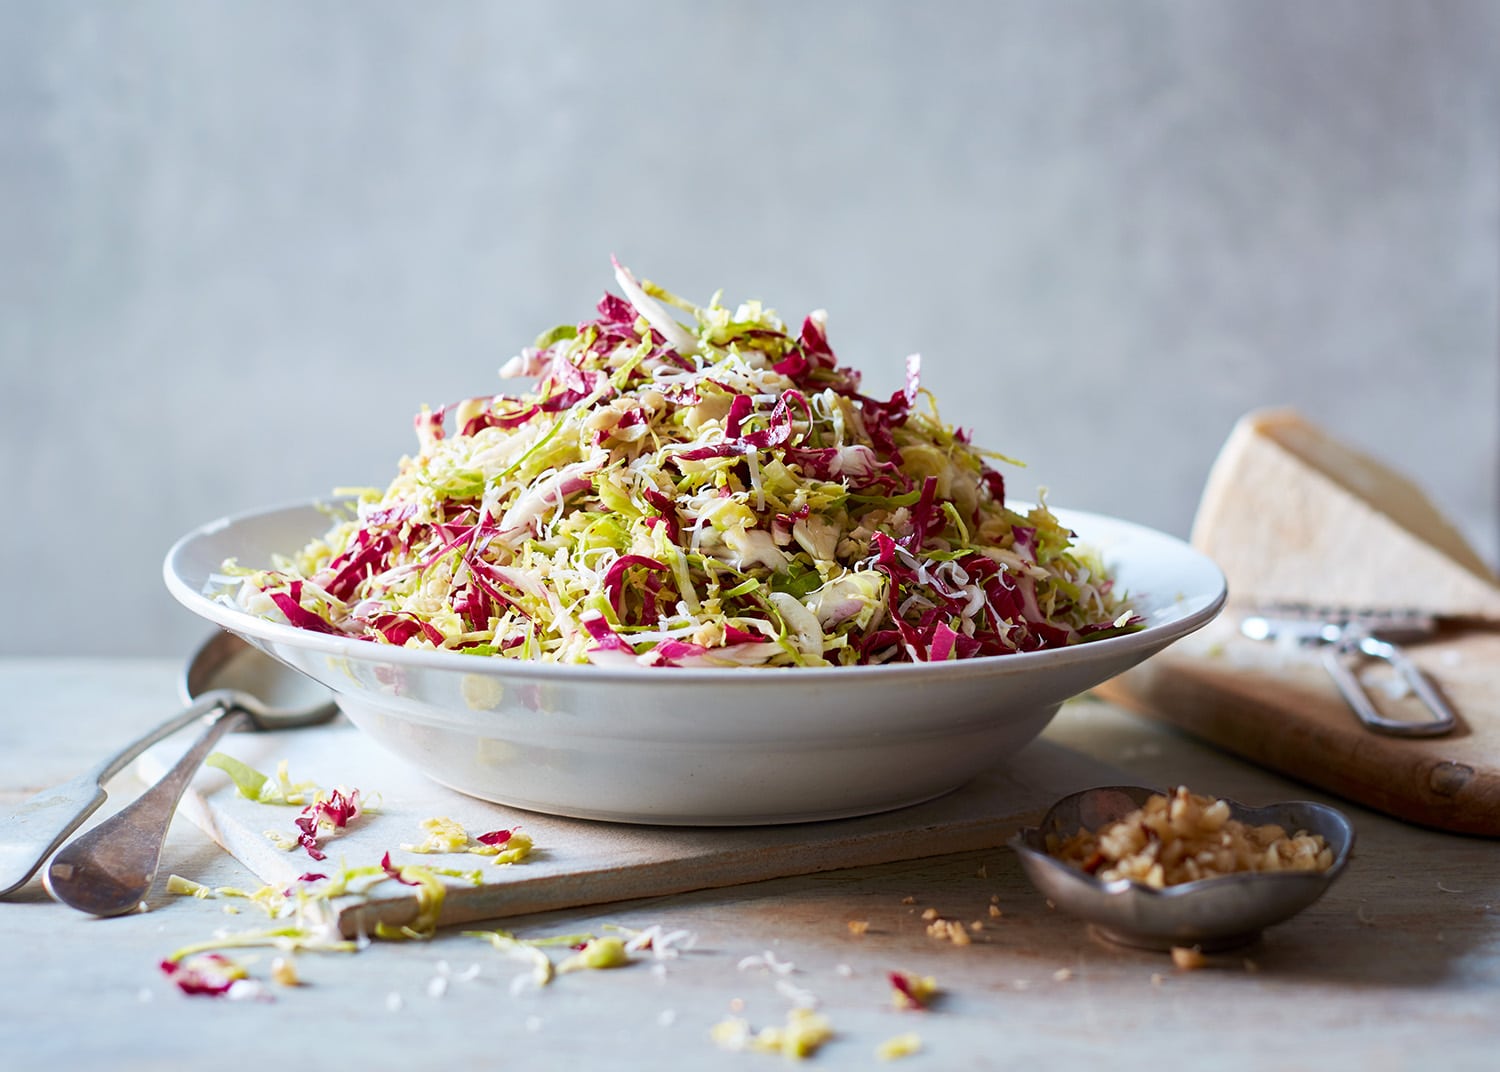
[[1347, 638]]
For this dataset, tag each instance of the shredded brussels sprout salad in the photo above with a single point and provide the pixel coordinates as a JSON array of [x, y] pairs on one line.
[[706, 491]]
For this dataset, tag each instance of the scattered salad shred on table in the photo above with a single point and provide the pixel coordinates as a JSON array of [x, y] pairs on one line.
[[253, 785], [327, 814], [801, 1036], [709, 493], [903, 1045], [206, 973], [910, 991], [447, 835]]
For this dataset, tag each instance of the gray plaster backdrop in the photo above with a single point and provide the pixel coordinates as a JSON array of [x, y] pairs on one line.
[[240, 245]]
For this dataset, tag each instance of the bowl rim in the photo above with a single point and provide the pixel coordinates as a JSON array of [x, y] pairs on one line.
[[1024, 842], [1153, 637]]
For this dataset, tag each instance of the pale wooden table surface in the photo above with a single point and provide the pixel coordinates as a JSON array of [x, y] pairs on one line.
[[1398, 967]]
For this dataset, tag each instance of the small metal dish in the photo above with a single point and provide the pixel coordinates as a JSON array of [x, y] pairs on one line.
[[1212, 914]]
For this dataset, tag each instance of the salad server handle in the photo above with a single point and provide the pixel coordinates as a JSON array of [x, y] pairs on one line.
[[42, 822], [107, 871]]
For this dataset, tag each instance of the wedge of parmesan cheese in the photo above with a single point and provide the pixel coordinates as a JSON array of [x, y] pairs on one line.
[[1291, 515]]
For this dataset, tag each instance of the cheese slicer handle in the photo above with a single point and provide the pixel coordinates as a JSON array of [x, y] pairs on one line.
[[1358, 642]]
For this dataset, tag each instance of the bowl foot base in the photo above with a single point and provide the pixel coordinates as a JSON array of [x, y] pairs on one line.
[[1159, 943]]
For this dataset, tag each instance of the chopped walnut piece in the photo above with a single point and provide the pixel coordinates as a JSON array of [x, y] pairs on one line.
[[947, 929], [1188, 958], [1183, 837]]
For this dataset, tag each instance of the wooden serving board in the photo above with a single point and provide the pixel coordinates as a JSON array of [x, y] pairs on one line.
[[1274, 704], [578, 862]]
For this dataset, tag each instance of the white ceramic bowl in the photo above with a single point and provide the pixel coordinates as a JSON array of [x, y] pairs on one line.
[[703, 746]]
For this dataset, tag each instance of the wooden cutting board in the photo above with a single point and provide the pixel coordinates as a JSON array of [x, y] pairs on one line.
[[1275, 705], [578, 862]]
